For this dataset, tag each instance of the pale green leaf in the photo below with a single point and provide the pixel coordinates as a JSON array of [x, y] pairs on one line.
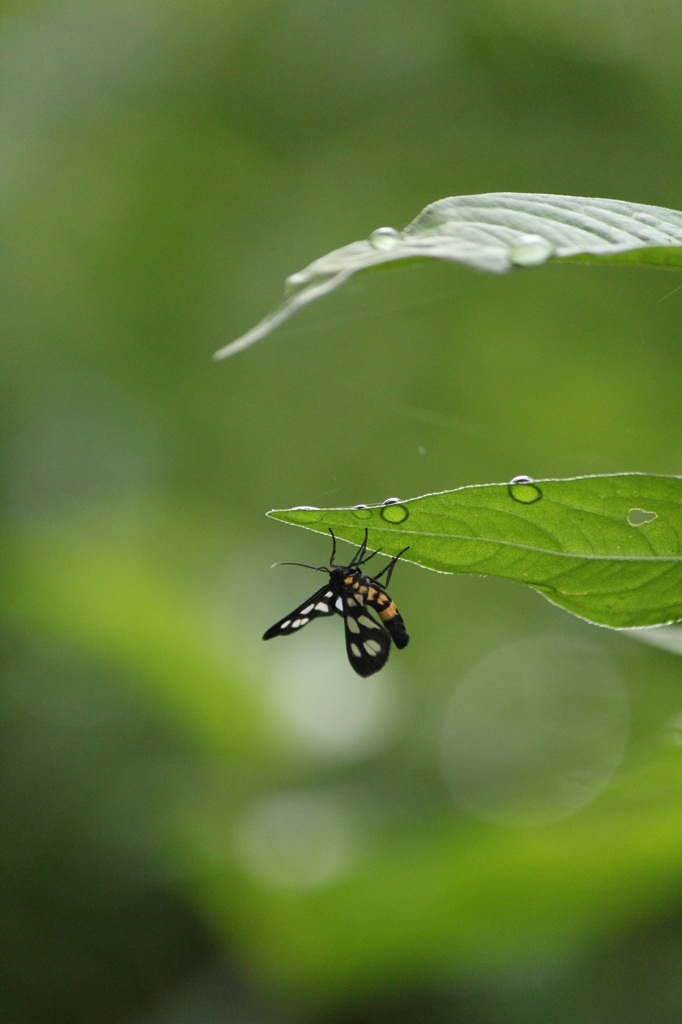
[[495, 232], [607, 548]]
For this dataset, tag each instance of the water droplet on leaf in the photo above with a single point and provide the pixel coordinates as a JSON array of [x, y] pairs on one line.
[[362, 512], [530, 251], [384, 238], [305, 514], [296, 280], [394, 513], [522, 479], [526, 493]]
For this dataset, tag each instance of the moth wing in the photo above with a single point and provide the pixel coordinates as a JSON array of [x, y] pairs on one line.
[[368, 643], [320, 604]]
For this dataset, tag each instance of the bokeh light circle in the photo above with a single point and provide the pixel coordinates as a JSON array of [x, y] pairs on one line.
[[534, 732]]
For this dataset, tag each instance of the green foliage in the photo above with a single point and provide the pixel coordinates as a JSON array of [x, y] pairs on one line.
[[605, 547], [495, 232], [177, 795]]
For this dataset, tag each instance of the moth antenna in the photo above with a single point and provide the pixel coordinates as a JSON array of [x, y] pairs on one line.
[[315, 568]]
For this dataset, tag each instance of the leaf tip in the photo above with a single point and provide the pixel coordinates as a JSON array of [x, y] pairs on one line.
[[301, 515]]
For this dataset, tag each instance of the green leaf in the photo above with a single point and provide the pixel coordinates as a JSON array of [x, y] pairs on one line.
[[496, 232], [607, 548]]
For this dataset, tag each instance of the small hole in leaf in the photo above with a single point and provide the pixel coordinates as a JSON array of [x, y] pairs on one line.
[[639, 516]]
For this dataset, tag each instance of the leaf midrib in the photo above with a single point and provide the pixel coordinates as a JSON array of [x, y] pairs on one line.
[[524, 547]]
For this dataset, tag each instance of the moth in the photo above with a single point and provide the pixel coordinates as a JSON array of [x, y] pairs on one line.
[[351, 593]]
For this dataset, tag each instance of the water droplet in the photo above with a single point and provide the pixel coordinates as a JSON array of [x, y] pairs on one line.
[[421, 450], [384, 238], [639, 516], [526, 493], [305, 514], [522, 479], [394, 513], [296, 280], [362, 512], [530, 251], [391, 501]]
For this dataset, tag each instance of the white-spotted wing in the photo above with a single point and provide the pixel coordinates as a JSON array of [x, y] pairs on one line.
[[368, 643], [320, 604]]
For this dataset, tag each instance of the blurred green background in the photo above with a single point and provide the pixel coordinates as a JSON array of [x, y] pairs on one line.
[[198, 827]]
